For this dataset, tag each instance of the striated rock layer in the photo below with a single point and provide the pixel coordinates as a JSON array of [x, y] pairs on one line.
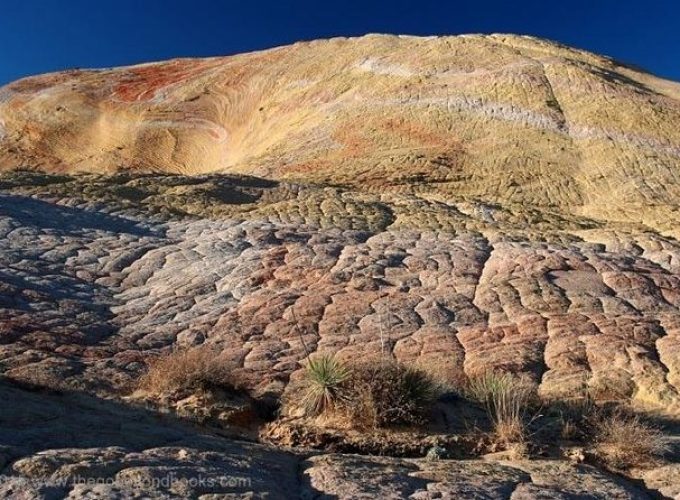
[[466, 203], [506, 118]]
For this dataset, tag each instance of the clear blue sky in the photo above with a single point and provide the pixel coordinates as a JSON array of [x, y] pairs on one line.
[[40, 36]]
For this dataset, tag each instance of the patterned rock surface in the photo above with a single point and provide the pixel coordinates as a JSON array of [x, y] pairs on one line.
[[471, 202], [504, 118], [90, 288]]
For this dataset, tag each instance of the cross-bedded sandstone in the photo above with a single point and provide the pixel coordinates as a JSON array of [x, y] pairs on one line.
[[507, 119]]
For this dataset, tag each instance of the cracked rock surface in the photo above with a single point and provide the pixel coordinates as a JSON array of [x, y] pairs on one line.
[[94, 281], [90, 289], [474, 202]]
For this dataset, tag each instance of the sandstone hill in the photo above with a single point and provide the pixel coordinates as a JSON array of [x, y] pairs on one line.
[[472, 202], [510, 119]]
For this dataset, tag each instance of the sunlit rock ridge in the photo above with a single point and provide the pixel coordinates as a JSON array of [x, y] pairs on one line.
[[504, 118]]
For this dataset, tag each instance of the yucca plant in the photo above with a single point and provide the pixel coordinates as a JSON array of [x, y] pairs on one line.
[[325, 379]]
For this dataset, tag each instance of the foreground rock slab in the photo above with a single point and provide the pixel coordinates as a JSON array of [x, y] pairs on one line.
[[74, 446]]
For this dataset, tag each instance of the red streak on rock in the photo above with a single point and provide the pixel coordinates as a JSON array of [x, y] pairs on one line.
[[142, 84]]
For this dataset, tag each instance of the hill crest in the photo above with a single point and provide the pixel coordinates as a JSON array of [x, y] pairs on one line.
[[503, 118]]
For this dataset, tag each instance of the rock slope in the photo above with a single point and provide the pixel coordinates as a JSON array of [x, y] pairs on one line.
[[510, 119], [91, 288], [467, 203]]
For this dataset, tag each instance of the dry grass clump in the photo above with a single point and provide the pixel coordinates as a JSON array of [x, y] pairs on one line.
[[569, 429], [624, 440], [508, 400], [382, 393], [387, 393], [187, 370], [570, 418]]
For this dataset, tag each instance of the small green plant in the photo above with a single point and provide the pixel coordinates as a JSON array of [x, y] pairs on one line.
[[325, 386], [484, 387], [418, 386], [382, 393]]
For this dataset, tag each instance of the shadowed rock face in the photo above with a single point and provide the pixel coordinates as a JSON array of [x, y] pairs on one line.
[[46, 453], [509, 119]]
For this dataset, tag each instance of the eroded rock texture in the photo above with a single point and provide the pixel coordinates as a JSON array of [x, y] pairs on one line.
[[90, 289], [470, 203]]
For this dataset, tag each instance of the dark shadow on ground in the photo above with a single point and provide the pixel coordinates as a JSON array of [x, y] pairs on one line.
[[35, 419], [72, 221]]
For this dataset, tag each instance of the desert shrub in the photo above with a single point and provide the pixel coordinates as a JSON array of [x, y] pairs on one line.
[[483, 386], [325, 385], [569, 417], [377, 394], [508, 400], [387, 393], [188, 370], [624, 440], [446, 374]]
